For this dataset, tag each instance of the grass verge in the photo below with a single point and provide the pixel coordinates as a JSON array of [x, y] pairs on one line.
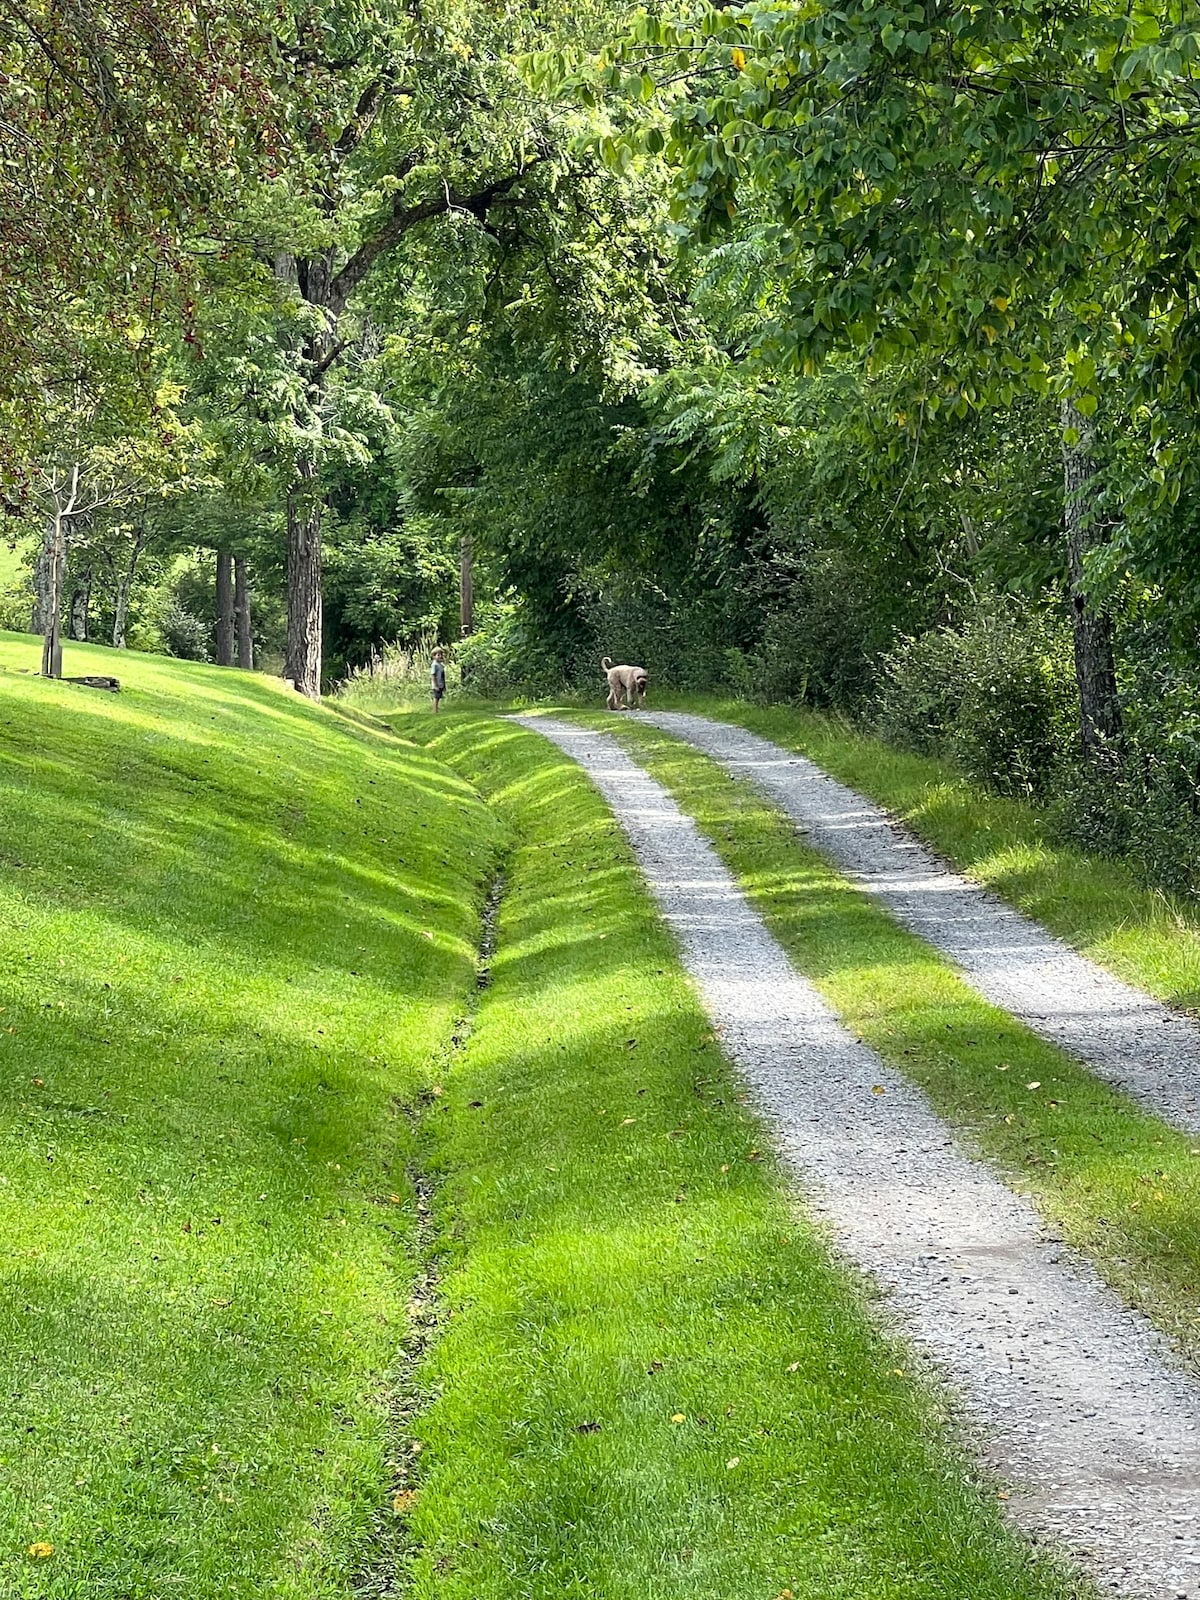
[[1099, 906], [233, 930], [653, 1383], [1121, 1184]]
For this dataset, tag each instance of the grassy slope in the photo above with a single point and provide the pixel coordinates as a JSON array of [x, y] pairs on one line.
[[1123, 1185], [232, 931], [1097, 905], [653, 1383]]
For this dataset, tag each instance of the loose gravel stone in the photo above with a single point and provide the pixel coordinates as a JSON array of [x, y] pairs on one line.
[[1122, 1034], [1077, 1402]]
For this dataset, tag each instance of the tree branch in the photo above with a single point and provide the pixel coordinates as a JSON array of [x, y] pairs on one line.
[[405, 217], [365, 112]]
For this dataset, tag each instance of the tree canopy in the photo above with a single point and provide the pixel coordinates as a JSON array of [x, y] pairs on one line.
[[772, 339]]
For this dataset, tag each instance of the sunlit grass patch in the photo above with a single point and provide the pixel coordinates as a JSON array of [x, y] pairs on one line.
[[234, 934], [1119, 1182]]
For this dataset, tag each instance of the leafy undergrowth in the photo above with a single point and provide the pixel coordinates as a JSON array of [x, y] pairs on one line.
[[653, 1383], [1097, 905], [233, 930], [1123, 1185]]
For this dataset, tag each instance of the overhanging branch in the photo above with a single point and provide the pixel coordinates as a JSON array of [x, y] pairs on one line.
[[405, 217]]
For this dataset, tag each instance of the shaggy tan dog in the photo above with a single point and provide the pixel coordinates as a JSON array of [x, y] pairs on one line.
[[624, 682]]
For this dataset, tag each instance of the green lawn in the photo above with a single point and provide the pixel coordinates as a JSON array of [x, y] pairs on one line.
[[237, 940], [1122, 1185], [652, 1382], [235, 934], [1097, 905]]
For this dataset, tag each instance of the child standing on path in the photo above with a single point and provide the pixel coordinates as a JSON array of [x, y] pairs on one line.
[[437, 677]]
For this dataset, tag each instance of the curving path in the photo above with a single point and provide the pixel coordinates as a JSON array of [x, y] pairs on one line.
[[1077, 1401], [1124, 1035]]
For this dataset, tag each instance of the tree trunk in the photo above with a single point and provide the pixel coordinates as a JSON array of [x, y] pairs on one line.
[[466, 591], [314, 277], [124, 585], [52, 619], [303, 662], [81, 602], [241, 611], [1095, 667], [43, 581], [224, 608]]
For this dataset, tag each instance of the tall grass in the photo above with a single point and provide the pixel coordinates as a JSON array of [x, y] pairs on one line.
[[397, 677]]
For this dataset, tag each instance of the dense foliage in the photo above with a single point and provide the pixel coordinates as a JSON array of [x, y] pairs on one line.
[[842, 354]]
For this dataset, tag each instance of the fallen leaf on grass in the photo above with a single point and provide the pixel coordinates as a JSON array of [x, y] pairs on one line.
[[1036, 1084], [734, 1461], [403, 1501], [628, 1122], [41, 1549], [795, 1367], [679, 1417]]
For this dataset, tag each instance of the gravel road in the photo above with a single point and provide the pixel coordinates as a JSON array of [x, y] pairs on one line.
[[1126, 1037], [1075, 1401]]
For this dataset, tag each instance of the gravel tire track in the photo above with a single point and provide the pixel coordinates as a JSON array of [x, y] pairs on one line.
[[1122, 1034], [1074, 1399]]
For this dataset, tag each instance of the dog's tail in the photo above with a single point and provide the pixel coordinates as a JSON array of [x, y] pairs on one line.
[[606, 663]]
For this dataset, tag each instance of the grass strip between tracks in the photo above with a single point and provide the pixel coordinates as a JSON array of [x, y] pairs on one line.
[[653, 1382], [1121, 1184], [1096, 904]]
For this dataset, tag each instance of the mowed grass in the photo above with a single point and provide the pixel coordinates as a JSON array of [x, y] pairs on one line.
[[1098, 905], [234, 933], [652, 1381], [1121, 1184]]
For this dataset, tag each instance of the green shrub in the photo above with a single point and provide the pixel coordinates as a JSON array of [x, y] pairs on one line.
[[184, 634], [820, 646], [506, 657], [996, 694], [1146, 806], [16, 607]]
